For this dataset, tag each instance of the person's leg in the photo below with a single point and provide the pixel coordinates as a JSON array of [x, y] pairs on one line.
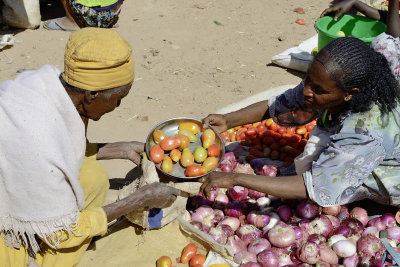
[[67, 23]]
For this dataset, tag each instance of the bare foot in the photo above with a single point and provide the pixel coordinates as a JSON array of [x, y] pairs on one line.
[[62, 24]]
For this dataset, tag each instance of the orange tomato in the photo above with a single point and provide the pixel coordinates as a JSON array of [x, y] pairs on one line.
[[241, 135], [195, 170], [158, 136], [268, 122], [225, 136], [197, 259], [291, 130], [210, 163], [191, 126], [166, 164], [175, 155], [301, 130], [282, 130], [251, 131], [247, 125], [164, 261], [156, 154], [187, 158], [208, 138], [188, 252], [261, 129], [170, 143], [237, 128], [274, 127], [229, 131], [213, 150], [184, 140], [256, 124], [306, 135], [309, 127]]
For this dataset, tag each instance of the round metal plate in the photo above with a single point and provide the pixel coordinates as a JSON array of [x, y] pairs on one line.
[[170, 128]]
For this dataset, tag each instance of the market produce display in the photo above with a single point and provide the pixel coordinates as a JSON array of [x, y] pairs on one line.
[[178, 149], [267, 231]]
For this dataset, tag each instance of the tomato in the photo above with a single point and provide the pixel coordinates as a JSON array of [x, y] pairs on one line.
[[195, 170], [267, 152], [251, 131], [191, 126], [301, 130], [197, 259], [184, 142], [300, 21], [257, 142], [303, 142], [187, 158], [306, 135], [241, 136], [164, 261], [309, 127], [294, 152], [286, 148], [282, 130], [175, 155], [287, 163], [250, 158], [170, 143], [210, 163], [275, 146], [247, 125], [208, 138], [268, 122], [274, 154], [231, 130], [256, 124], [282, 142], [166, 164], [200, 154], [225, 136], [256, 153], [282, 156], [213, 150], [274, 127], [158, 136], [268, 133], [291, 130], [247, 142], [156, 154], [295, 138], [192, 137], [286, 136], [237, 128], [268, 140], [232, 137], [276, 135], [188, 252]]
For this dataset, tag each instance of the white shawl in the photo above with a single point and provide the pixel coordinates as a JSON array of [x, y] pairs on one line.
[[42, 145]]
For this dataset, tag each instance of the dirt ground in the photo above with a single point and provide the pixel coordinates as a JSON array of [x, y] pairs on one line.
[[191, 58]]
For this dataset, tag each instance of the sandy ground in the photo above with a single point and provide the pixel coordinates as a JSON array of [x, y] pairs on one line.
[[186, 64]]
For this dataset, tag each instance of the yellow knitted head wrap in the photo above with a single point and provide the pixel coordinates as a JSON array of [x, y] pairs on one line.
[[97, 59]]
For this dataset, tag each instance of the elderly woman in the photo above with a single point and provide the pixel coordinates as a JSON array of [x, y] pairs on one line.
[[353, 152], [52, 188]]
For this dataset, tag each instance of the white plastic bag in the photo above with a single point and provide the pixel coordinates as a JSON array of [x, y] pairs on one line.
[[23, 14]]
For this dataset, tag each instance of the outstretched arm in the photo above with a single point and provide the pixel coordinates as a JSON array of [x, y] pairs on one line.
[[393, 19], [343, 7]]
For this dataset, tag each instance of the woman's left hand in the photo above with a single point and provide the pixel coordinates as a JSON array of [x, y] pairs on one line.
[[121, 150], [217, 179]]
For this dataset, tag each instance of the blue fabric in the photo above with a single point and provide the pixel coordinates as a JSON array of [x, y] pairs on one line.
[[155, 217]]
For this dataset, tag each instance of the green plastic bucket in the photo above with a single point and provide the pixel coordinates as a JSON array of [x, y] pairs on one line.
[[360, 27]]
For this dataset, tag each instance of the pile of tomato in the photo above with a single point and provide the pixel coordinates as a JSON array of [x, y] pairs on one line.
[[267, 139]]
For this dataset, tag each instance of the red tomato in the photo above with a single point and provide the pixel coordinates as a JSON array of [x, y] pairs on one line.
[[225, 136], [295, 138], [275, 146], [213, 150], [170, 143], [303, 142], [274, 154], [189, 251], [286, 148], [261, 128], [274, 127], [247, 142], [251, 131], [281, 130], [268, 140], [156, 154], [257, 142], [282, 142], [291, 130], [301, 130], [197, 260], [276, 135], [309, 127], [247, 125], [241, 136], [286, 136]]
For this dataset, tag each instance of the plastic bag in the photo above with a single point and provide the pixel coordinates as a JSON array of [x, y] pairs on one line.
[[23, 14]]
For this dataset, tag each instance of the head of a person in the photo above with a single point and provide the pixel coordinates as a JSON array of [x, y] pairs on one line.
[[98, 70], [348, 75]]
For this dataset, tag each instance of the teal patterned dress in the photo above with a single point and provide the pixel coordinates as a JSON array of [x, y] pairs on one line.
[[361, 159]]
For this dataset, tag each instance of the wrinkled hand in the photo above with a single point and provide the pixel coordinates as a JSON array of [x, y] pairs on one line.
[[340, 9], [134, 150], [158, 195], [217, 179], [217, 121]]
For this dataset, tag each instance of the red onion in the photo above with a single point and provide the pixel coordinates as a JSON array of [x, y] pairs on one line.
[[285, 213], [360, 214], [238, 193], [244, 256], [250, 264], [236, 243], [243, 168], [240, 150], [200, 226], [258, 245], [218, 216], [327, 254], [230, 156], [214, 192], [306, 225], [343, 230], [269, 170], [267, 258], [248, 233], [197, 201], [351, 261], [255, 194], [371, 230], [274, 219], [388, 220], [294, 258], [263, 202], [394, 234], [257, 164], [284, 259], [370, 246], [220, 201], [321, 225], [226, 167], [281, 236], [307, 210], [354, 238], [273, 198], [227, 230], [377, 222], [344, 248], [333, 210], [204, 214], [317, 239], [309, 253], [343, 214], [235, 209], [334, 220], [233, 222], [218, 235], [252, 205], [335, 238], [258, 218], [354, 224]]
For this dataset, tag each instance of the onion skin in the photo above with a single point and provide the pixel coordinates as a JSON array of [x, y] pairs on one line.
[[285, 213], [370, 246], [333, 210], [309, 253], [238, 193], [344, 248], [307, 210], [355, 225], [317, 239], [334, 220], [218, 235], [255, 194], [389, 220], [274, 219], [268, 258], [377, 222], [236, 243], [321, 225], [282, 236], [250, 264], [327, 254], [343, 214], [244, 256], [227, 230], [351, 261], [258, 245], [233, 222], [371, 230], [248, 233], [360, 214], [394, 234]]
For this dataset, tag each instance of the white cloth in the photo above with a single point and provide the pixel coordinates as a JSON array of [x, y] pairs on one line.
[[42, 145], [318, 140]]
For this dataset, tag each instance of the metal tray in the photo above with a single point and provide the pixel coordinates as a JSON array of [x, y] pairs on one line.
[[170, 128]]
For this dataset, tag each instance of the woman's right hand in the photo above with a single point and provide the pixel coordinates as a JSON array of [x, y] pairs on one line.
[[218, 121], [340, 9]]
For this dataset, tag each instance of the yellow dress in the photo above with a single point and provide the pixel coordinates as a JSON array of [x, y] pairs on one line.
[[92, 222]]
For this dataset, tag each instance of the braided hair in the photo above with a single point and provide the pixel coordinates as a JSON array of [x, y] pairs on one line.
[[353, 64]]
